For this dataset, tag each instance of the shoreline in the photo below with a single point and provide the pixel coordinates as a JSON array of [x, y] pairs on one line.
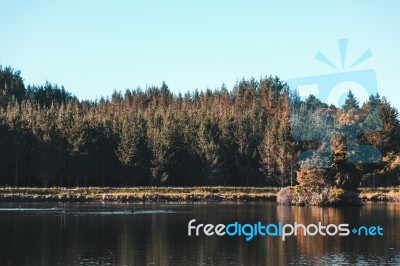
[[138, 194], [169, 194]]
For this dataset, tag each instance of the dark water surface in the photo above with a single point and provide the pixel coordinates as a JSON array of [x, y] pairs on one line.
[[156, 234]]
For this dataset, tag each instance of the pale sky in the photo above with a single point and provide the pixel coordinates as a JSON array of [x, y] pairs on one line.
[[94, 47]]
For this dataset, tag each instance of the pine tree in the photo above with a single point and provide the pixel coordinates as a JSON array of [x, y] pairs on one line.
[[350, 102], [132, 149]]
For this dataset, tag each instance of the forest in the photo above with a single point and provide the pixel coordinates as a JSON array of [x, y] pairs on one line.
[[247, 135]]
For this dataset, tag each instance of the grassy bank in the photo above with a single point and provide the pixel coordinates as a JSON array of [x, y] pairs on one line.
[[11, 194], [391, 194], [140, 194]]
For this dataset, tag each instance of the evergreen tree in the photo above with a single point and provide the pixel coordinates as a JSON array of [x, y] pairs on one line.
[[250, 135], [350, 102], [132, 149]]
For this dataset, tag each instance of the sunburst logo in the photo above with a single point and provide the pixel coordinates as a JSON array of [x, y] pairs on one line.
[[343, 51], [332, 88]]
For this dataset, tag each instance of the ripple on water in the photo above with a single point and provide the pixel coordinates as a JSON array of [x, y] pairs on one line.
[[66, 211]]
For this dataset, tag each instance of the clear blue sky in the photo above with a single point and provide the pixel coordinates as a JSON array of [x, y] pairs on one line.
[[94, 47]]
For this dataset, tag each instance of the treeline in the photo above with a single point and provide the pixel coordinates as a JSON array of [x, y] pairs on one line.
[[241, 136]]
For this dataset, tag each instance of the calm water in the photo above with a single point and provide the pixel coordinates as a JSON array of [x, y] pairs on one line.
[[156, 234]]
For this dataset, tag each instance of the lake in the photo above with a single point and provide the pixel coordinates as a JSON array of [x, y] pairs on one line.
[[157, 234]]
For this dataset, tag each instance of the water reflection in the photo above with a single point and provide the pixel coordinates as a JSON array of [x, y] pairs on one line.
[[145, 234]]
